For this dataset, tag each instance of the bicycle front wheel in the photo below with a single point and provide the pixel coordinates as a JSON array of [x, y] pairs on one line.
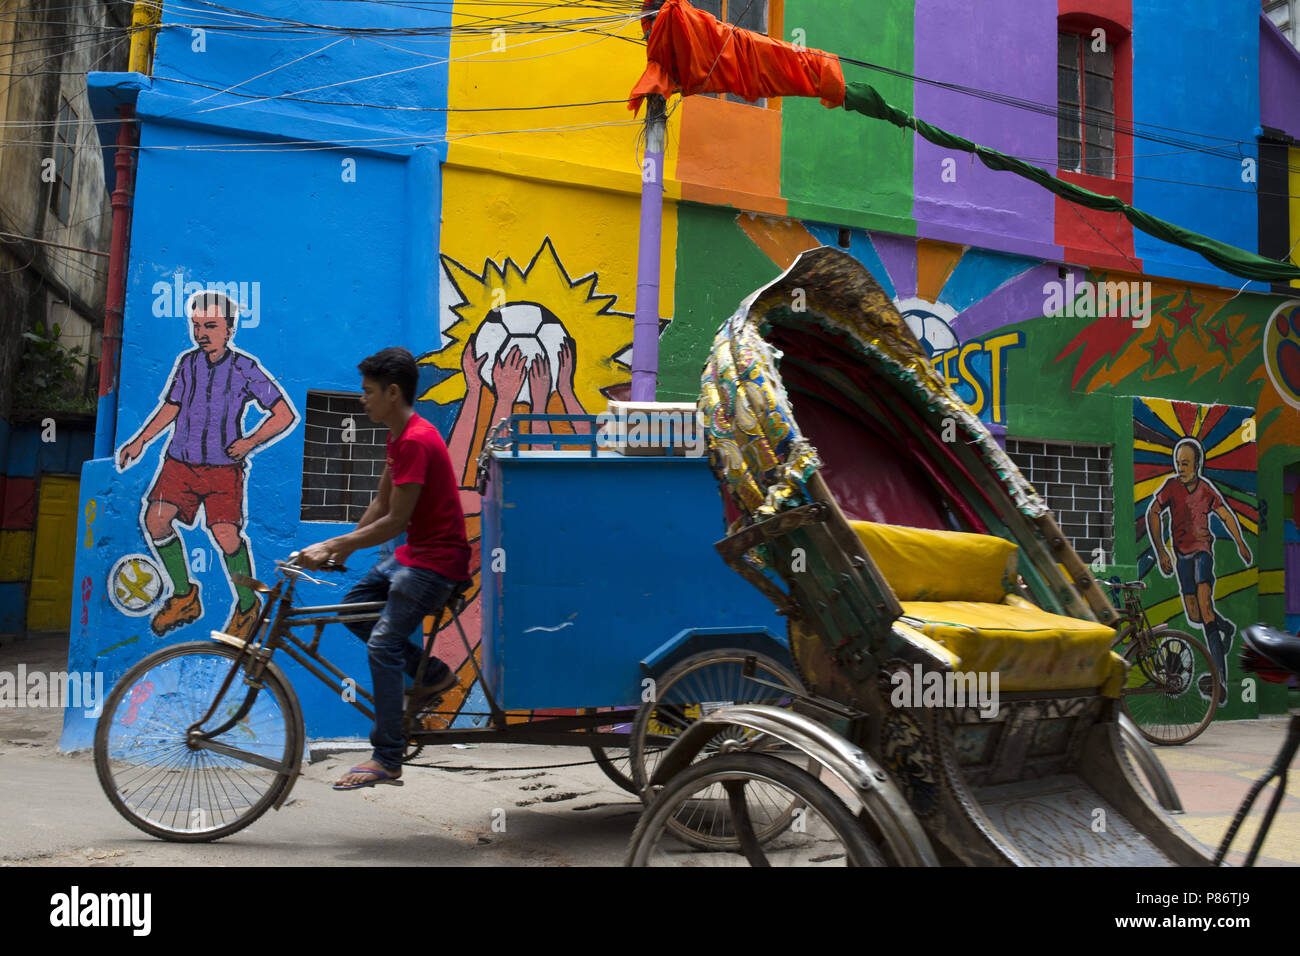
[[1168, 683], [168, 783]]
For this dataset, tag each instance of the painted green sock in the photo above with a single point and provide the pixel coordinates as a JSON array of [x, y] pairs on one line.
[[238, 563], [172, 554]]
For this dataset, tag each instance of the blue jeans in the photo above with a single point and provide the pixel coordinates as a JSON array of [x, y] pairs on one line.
[[412, 594]]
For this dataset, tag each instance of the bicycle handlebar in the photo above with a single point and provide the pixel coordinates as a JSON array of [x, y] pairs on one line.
[[330, 565]]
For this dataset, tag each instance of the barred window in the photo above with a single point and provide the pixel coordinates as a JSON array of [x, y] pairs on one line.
[[1077, 482], [745, 15], [65, 138], [343, 458], [1086, 94]]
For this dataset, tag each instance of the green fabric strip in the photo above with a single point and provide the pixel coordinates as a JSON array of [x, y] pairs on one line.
[[864, 98]]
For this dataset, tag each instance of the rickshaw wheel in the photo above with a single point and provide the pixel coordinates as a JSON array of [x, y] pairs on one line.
[[692, 688], [715, 795]]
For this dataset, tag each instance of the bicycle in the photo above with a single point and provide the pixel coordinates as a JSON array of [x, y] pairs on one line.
[[186, 754], [1179, 683]]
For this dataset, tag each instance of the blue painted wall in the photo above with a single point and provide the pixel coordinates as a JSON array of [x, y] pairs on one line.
[[1196, 67], [343, 269]]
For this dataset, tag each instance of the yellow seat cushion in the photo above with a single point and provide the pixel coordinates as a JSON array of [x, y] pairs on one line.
[[925, 565], [1030, 649]]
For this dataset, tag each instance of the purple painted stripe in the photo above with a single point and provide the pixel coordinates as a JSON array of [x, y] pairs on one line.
[[999, 242], [645, 327], [1292, 578], [898, 253], [1020, 299], [1004, 45]]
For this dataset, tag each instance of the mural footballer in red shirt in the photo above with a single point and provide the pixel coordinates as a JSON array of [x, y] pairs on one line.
[[1190, 499]]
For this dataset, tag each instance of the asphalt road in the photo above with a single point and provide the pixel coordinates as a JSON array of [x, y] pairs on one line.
[[53, 813]]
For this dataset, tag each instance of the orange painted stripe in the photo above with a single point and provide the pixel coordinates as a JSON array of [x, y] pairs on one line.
[[781, 240], [934, 264]]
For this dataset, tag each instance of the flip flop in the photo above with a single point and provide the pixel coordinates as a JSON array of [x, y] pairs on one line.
[[382, 776]]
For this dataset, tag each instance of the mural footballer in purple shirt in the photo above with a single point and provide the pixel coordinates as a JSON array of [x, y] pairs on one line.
[[205, 461]]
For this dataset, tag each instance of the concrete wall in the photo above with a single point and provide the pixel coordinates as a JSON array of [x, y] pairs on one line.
[[436, 230], [44, 67]]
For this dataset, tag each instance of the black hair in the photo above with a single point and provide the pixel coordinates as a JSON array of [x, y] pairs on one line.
[[394, 366], [202, 301], [1195, 446]]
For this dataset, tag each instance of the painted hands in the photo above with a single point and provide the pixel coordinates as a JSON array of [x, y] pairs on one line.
[[539, 383], [472, 367], [240, 447], [129, 453], [564, 377], [508, 377]]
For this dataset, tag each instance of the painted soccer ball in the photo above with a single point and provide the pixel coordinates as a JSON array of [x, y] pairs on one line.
[[134, 584], [532, 329], [930, 322]]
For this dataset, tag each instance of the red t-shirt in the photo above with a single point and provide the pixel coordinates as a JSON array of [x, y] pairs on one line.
[[435, 536], [1189, 513]]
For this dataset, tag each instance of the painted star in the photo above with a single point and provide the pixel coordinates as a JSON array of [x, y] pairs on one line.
[[1160, 352], [1222, 339], [1185, 315]]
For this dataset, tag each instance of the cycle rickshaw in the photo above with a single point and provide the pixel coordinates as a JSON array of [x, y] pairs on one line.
[[906, 551], [578, 646]]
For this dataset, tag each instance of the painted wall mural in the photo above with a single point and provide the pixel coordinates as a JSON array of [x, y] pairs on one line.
[[515, 340], [1070, 351], [1195, 497], [203, 468]]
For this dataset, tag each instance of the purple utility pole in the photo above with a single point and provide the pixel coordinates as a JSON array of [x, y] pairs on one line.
[[645, 329]]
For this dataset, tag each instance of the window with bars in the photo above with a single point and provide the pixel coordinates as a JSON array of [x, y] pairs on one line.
[[65, 139], [745, 14], [343, 458], [1077, 482], [1086, 95], [1283, 15]]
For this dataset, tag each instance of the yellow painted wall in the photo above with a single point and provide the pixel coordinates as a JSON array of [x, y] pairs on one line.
[[539, 69], [15, 555], [50, 599], [574, 177]]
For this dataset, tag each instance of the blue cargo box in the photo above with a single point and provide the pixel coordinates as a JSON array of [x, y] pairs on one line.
[[592, 564]]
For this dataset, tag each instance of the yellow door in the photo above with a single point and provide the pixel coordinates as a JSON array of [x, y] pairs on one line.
[[49, 607]]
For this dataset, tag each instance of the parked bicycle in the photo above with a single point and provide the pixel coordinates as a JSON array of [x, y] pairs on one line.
[[1173, 685]]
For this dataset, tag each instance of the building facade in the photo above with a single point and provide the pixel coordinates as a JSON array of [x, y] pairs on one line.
[[54, 228], [463, 185]]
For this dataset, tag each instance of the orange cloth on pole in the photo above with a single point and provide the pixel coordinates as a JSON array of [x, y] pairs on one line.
[[690, 51]]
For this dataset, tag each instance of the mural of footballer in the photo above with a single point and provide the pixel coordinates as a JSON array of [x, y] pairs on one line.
[[1190, 499], [206, 458]]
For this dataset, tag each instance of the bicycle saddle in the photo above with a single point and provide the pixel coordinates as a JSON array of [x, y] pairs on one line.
[[1273, 654]]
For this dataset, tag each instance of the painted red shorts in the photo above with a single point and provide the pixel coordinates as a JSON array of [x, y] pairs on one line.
[[219, 488]]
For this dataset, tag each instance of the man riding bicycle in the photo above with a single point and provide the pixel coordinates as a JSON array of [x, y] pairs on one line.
[[418, 495]]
